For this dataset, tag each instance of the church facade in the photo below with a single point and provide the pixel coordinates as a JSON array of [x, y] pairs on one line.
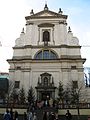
[[46, 53]]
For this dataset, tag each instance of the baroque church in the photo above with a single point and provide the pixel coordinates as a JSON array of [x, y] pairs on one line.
[[45, 54]]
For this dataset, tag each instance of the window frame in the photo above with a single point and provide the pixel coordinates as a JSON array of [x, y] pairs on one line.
[[49, 55]]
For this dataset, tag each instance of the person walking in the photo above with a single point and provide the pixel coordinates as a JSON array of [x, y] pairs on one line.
[[68, 115]]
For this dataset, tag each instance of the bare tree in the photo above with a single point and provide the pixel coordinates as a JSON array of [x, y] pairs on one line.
[[77, 92]]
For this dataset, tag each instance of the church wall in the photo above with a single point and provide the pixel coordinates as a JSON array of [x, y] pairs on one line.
[[74, 75], [74, 51], [34, 35], [18, 52], [57, 38], [18, 76], [26, 79], [28, 35], [36, 74], [60, 34], [28, 52]]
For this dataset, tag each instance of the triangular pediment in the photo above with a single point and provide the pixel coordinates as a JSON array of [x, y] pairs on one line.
[[45, 13], [45, 74]]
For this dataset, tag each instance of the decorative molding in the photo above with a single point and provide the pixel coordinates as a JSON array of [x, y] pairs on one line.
[[65, 69], [60, 60], [46, 25], [42, 46], [80, 69], [70, 56], [29, 23], [45, 17], [63, 22]]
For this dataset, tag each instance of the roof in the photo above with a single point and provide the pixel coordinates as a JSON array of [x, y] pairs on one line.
[[45, 14], [2, 77]]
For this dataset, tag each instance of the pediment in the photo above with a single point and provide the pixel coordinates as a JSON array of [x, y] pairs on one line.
[[45, 74], [46, 13]]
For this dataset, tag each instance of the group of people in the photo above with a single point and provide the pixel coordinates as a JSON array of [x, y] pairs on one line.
[[53, 116], [30, 116], [50, 116], [10, 115], [46, 116]]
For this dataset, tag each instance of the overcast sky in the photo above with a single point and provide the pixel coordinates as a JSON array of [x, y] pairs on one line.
[[12, 20]]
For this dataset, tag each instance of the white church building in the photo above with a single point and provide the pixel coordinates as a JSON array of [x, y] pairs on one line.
[[45, 53]]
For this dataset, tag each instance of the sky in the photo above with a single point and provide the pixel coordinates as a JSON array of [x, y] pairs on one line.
[[12, 20]]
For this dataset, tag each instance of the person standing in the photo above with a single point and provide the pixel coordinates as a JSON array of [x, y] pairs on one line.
[[11, 113], [29, 115], [34, 116], [45, 116], [52, 116], [7, 115], [25, 116], [68, 115], [16, 115]]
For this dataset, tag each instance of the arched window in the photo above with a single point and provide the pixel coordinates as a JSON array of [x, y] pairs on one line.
[[46, 54], [39, 55], [46, 36]]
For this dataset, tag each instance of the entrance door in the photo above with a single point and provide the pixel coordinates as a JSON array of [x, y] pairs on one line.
[[45, 96]]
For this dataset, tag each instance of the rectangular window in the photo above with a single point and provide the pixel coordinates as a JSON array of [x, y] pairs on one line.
[[17, 84], [73, 67], [18, 67]]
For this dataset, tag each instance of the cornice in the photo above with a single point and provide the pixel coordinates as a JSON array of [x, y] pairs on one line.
[[46, 25], [46, 17], [42, 46], [60, 60]]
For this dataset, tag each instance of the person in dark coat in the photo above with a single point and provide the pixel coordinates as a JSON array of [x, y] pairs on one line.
[[7, 115], [52, 116], [11, 113], [45, 116], [68, 115], [16, 115], [25, 116]]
